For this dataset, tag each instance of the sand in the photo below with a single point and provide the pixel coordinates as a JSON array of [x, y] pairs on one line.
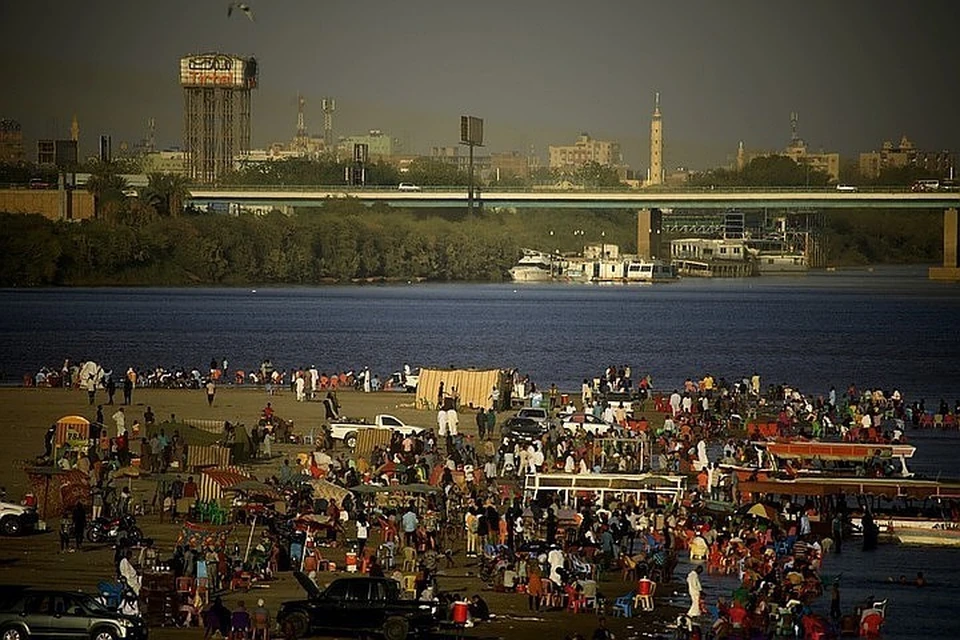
[[35, 559]]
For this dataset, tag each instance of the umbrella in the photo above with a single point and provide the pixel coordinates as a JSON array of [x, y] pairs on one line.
[[326, 490], [761, 510], [129, 472], [255, 488]]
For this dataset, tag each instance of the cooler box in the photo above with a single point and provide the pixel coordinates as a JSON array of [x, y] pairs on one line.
[[460, 612], [351, 562]]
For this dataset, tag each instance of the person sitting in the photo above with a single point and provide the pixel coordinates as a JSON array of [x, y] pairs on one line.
[[239, 623], [478, 608]]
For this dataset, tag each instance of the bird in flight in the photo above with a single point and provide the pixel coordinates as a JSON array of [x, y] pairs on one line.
[[239, 6]]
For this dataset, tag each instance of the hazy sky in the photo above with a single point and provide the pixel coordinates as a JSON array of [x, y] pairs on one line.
[[538, 72]]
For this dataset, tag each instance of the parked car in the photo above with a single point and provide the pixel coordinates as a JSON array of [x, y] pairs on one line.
[[588, 422], [27, 613], [347, 431], [520, 428], [535, 413], [408, 186], [360, 605], [16, 519]]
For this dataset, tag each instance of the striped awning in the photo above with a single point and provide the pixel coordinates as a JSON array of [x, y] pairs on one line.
[[213, 455], [214, 480], [368, 439]]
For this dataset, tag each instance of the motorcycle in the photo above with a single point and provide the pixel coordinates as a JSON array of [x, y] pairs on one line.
[[108, 529]]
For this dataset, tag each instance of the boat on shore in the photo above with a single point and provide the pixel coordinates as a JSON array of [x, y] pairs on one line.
[[533, 266]]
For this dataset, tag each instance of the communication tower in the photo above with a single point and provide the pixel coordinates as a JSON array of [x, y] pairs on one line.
[[328, 106], [656, 144], [216, 112]]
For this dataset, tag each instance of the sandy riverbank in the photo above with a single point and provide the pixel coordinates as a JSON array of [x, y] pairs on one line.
[[27, 413]]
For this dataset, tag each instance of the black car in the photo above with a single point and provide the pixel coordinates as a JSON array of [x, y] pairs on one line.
[[518, 428], [360, 605], [27, 613]]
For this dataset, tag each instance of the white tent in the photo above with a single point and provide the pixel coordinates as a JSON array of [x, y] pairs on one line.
[[91, 373]]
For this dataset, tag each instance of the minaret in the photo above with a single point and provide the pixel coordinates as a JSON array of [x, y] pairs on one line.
[[656, 144]]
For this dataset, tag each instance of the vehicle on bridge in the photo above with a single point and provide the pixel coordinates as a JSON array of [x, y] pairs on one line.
[[408, 186]]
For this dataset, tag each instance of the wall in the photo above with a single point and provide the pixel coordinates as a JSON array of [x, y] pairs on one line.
[[50, 203]]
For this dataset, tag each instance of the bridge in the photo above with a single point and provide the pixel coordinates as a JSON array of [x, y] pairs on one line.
[[649, 203]]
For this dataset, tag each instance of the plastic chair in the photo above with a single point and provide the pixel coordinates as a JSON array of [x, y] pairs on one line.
[[409, 584], [575, 599], [409, 559], [260, 624], [623, 606], [645, 591]]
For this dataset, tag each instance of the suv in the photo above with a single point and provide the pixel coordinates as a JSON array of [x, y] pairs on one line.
[[535, 413], [40, 613], [16, 519], [361, 605]]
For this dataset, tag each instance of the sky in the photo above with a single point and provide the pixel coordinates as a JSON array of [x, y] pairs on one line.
[[538, 72]]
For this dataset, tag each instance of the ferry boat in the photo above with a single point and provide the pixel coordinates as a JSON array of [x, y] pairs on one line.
[[641, 270], [533, 266]]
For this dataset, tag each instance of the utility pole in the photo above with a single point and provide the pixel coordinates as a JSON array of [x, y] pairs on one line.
[[471, 134]]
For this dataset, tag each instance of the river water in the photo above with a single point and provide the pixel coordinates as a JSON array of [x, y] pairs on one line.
[[888, 327]]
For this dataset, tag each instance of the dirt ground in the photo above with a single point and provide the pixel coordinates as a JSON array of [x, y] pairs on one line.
[[35, 559]]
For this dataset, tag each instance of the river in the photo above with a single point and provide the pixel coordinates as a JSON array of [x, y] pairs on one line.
[[887, 327]]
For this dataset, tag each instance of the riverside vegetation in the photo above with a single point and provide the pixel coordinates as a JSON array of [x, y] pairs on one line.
[[145, 240]]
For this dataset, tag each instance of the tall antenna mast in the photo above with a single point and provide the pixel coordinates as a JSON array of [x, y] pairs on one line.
[[301, 127], [328, 105]]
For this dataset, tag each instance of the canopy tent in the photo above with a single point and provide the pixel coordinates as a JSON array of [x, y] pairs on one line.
[[57, 490], [91, 374], [326, 490], [473, 386], [71, 429], [205, 448], [214, 481]]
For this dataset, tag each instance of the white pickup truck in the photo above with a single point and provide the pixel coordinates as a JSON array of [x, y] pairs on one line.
[[347, 431]]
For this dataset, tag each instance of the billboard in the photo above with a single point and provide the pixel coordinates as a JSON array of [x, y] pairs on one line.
[[218, 70], [471, 130]]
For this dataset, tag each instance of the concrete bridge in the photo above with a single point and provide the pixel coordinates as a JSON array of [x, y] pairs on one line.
[[649, 202]]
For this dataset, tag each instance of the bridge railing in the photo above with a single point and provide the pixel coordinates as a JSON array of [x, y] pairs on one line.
[[337, 188]]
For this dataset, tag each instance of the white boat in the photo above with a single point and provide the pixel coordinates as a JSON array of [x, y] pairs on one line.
[[773, 262], [650, 271], [534, 266]]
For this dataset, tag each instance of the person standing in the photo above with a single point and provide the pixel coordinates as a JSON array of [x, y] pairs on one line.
[[211, 388], [695, 589], [120, 419], [79, 523], [111, 388], [128, 386], [481, 423], [363, 531]]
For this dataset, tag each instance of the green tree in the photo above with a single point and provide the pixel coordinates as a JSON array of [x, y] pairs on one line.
[[166, 192], [109, 191]]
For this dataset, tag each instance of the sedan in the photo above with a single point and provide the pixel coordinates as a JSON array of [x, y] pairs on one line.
[[588, 422], [523, 428]]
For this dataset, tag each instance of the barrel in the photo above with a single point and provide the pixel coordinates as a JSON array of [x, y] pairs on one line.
[[309, 563], [644, 587], [460, 610], [351, 562], [564, 399]]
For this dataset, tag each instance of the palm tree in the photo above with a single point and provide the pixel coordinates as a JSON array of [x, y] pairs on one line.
[[166, 192], [108, 190]]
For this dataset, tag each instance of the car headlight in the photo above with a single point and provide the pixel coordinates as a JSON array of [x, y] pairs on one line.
[[129, 624]]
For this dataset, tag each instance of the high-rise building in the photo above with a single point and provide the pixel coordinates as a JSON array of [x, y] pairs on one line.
[[796, 150], [11, 141], [904, 154], [216, 112], [379, 145], [584, 150], [656, 144]]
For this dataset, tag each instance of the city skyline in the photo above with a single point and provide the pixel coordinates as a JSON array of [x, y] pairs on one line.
[[538, 73]]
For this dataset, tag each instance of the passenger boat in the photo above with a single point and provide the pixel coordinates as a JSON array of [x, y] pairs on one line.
[[534, 266], [641, 270]]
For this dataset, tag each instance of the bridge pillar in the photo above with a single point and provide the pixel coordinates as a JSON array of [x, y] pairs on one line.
[[951, 248], [649, 229]]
